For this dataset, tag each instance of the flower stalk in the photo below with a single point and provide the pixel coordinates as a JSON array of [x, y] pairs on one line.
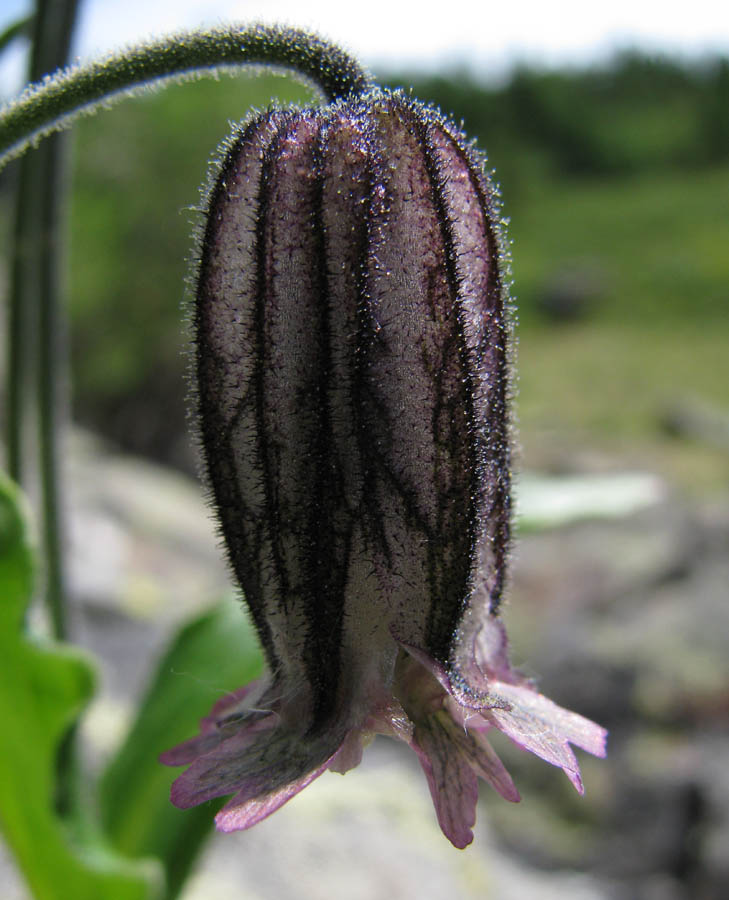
[[35, 307], [53, 104]]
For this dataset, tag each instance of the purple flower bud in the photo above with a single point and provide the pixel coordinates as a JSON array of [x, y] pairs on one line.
[[353, 393]]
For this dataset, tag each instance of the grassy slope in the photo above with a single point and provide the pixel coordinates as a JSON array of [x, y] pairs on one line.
[[659, 334]]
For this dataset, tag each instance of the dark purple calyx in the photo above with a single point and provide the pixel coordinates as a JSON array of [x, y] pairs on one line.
[[351, 338]]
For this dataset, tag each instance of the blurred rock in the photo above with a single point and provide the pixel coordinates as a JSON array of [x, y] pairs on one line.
[[624, 617], [572, 292], [547, 501], [143, 540], [695, 419], [627, 622]]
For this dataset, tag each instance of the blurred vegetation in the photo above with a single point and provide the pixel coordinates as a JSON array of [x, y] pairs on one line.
[[615, 179]]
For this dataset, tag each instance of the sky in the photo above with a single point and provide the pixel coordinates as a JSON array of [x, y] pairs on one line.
[[486, 37]]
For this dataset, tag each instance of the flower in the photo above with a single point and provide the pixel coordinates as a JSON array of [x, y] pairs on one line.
[[352, 376], [254, 745]]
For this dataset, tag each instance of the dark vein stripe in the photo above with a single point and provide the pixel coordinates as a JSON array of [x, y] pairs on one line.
[[498, 447], [262, 363], [216, 437], [326, 565], [363, 397], [449, 599]]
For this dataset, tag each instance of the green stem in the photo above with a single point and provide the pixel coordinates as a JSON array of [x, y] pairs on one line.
[[18, 343], [52, 369], [49, 106], [36, 318], [18, 360], [56, 19], [37, 334], [21, 28]]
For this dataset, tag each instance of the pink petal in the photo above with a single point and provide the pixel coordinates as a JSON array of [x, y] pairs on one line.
[[189, 751], [452, 782], [349, 755], [238, 700], [244, 811], [220, 724], [491, 650], [208, 740], [537, 724], [486, 764], [478, 695], [254, 764]]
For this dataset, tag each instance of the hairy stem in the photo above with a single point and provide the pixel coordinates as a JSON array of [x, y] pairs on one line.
[[50, 105], [57, 19], [36, 332]]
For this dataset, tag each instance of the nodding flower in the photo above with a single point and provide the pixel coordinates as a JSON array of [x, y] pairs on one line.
[[352, 339]]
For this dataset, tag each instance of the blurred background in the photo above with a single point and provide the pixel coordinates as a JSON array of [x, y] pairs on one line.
[[609, 136]]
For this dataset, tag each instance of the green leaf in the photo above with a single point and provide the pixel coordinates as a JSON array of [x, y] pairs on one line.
[[43, 688], [211, 656]]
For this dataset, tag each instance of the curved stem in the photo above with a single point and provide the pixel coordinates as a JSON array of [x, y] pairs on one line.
[[50, 105], [17, 29]]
